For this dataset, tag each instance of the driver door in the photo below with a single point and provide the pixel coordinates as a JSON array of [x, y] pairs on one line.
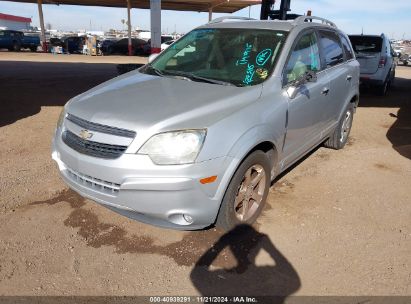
[[305, 119]]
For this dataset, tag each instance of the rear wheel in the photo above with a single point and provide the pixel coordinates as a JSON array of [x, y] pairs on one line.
[[33, 48], [247, 192], [339, 137], [383, 89], [16, 46]]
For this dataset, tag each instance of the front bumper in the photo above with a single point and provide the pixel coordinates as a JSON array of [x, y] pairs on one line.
[[133, 186]]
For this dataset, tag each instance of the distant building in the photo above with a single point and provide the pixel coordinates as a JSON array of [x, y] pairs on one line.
[[17, 23]]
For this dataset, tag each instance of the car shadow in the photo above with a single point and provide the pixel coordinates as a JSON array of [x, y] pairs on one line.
[[277, 280], [25, 87], [399, 134]]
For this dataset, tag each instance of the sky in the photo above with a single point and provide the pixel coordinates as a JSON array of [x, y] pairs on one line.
[[352, 16]]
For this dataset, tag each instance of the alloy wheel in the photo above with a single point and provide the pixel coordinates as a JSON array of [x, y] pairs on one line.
[[250, 193]]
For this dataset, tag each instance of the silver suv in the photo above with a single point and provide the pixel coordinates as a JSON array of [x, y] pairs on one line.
[[377, 60], [195, 137]]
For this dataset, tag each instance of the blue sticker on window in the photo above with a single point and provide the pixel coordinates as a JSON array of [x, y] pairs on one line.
[[263, 57]]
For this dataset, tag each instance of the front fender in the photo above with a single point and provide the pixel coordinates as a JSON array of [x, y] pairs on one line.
[[242, 147]]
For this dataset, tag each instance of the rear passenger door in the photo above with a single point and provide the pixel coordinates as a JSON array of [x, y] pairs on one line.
[[339, 74]]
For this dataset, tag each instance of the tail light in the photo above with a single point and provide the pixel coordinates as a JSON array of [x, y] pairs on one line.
[[383, 61]]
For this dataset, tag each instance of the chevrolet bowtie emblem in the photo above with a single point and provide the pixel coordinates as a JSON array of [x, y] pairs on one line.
[[85, 134]]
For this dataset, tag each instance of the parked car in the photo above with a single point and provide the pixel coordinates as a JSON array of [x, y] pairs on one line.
[[54, 41], [166, 38], [73, 44], [377, 60], [140, 47], [103, 46], [16, 40], [405, 58], [192, 140], [166, 44]]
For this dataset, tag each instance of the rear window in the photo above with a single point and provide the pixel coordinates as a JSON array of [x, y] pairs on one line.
[[366, 44], [331, 45]]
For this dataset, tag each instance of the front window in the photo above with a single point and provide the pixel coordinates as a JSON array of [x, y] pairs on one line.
[[240, 57], [304, 57]]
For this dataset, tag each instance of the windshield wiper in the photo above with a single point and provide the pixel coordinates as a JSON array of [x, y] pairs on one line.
[[194, 77], [210, 80], [157, 71]]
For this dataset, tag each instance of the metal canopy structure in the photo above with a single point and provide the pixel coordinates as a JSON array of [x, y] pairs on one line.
[[155, 6], [218, 6]]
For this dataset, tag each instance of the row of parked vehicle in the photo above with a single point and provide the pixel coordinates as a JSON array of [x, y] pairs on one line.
[[108, 46], [17, 40]]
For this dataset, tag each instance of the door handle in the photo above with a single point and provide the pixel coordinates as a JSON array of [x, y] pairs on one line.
[[349, 77], [325, 91]]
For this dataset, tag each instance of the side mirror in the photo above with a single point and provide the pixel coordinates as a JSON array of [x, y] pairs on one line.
[[152, 57], [309, 76]]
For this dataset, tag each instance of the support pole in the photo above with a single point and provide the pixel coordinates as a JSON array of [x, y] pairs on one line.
[[155, 15], [130, 45], [210, 14], [43, 33]]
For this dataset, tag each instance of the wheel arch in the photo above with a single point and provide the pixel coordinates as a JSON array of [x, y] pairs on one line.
[[265, 145], [355, 99]]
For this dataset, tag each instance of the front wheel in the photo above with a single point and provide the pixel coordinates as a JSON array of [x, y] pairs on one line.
[[247, 192], [339, 137]]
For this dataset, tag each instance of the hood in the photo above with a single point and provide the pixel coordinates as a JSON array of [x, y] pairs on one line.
[[136, 101]]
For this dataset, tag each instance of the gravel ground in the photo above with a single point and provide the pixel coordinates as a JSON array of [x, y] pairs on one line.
[[337, 223]]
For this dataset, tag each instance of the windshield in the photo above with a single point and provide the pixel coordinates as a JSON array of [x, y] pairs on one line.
[[240, 57]]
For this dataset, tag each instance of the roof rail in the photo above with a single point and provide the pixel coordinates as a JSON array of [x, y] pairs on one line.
[[221, 19], [303, 19]]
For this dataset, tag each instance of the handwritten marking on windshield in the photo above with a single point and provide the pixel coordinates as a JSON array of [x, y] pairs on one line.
[[249, 75], [263, 57], [246, 54]]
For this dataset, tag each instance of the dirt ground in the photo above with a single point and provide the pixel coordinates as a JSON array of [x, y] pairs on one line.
[[337, 223]]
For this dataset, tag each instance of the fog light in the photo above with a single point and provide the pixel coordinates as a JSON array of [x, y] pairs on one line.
[[188, 218]]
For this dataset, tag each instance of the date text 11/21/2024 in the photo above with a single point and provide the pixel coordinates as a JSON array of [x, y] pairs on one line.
[[202, 299]]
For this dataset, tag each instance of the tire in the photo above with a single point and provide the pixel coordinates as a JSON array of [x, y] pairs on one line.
[[392, 79], [232, 211], [405, 62], [383, 89], [339, 137], [33, 49], [16, 46]]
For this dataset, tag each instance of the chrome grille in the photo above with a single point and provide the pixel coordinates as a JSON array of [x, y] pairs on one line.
[[92, 148], [100, 128], [93, 183]]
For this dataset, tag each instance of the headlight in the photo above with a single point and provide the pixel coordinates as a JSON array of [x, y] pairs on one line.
[[61, 118], [174, 148]]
